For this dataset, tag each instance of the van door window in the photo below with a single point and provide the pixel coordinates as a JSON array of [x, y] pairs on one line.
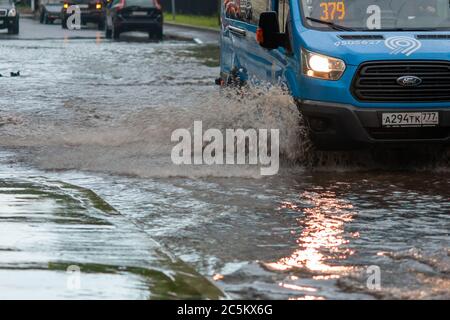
[[246, 10], [231, 9], [257, 7]]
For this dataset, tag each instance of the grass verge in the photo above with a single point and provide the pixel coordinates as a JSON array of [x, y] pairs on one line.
[[210, 22]]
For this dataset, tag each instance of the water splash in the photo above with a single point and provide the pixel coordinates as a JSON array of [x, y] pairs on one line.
[[138, 143]]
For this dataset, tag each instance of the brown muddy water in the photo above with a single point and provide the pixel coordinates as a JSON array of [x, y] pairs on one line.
[[99, 116]]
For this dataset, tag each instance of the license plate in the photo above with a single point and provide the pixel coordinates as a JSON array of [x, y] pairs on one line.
[[139, 13], [410, 119], [83, 6], [1, 22]]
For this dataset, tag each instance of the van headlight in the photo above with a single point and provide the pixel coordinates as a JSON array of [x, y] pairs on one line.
[[319, 66], [12, 13]]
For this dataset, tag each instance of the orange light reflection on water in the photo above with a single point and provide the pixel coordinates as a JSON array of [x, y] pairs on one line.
[[322, 235]]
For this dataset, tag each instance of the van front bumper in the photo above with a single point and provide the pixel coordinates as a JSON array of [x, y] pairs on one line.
[[342, 126]]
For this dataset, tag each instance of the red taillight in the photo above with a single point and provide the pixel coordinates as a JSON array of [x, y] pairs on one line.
[[121, 5], [158, 4]]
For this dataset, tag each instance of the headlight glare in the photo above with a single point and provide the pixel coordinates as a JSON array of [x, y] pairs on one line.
[[319, 66]]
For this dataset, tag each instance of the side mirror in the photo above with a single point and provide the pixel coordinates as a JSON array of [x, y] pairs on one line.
[[268, 34]]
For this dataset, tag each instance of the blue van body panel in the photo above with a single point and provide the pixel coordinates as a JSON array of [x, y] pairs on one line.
[[355, 52], [242, 56], [258, 64]]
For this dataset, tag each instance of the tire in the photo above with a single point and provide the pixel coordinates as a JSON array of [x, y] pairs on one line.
[[17, 29], [160, 34], [156, 33], [108, 33], [115, 32], [46, 20], [41, 17], [14, 29], [101, 25]]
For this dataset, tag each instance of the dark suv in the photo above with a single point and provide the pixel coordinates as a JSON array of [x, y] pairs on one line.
[[49, 11], [92, 11], [9, 17], [134, 15]]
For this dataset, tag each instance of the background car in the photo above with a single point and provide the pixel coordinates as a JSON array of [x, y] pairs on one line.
[[49, 11], [92, 11], [134, 15], [9, 16]]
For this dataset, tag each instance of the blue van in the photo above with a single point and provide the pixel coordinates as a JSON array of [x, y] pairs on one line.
[[360, 71]]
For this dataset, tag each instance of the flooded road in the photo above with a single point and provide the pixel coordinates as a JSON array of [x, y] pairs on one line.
[[51, 231], [99, 115]]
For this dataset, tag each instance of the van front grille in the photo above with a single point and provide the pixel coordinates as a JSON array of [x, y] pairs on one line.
[[379, 81]]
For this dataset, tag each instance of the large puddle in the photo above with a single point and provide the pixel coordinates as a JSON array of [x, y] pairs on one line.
[[100, 116]]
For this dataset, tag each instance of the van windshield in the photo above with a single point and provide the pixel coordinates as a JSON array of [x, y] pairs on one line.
[[377, 14]]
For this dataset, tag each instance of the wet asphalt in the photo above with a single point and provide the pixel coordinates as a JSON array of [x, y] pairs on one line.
[[31, 29], [87, 127]]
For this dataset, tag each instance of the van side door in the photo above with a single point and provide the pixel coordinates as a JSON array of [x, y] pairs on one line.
[[234, 34], [244, 55]]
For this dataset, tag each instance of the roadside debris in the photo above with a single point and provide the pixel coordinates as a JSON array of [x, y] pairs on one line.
[[12, 74]]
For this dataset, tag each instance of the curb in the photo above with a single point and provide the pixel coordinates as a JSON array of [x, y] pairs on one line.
[[26, 15], [188, 26]]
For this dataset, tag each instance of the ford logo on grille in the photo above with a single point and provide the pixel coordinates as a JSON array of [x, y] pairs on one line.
[[409, 81]]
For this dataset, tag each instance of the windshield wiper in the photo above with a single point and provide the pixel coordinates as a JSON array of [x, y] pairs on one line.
[[330, 24]]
